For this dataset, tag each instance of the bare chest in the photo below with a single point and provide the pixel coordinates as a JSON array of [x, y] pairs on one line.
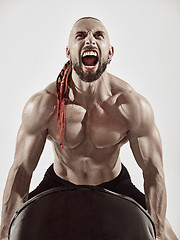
[[100, 125]]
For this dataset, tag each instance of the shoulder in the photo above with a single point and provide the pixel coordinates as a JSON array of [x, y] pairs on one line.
[[126, 96], [39, 109], [133, 106], [139, 113], [118, 85]]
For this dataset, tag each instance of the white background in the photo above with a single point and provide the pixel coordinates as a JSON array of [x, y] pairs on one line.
[[146, 37]]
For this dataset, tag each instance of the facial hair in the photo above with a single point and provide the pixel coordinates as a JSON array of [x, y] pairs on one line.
[[90, 76]]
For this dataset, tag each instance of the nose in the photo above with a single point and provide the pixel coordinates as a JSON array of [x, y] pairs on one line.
[[90, 40]]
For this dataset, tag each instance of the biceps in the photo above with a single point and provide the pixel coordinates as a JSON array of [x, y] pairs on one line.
[[29, 148]]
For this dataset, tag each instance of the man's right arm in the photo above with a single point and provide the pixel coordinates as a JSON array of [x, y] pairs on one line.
[[29, 146]]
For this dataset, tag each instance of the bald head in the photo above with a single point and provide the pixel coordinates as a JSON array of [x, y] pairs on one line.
[[87, 18], [89, 48], [86, 23]]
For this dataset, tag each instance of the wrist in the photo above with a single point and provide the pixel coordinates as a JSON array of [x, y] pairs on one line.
[[160, 238]]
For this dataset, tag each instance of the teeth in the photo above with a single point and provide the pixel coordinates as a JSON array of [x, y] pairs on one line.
[[90, 53], [89, 66]]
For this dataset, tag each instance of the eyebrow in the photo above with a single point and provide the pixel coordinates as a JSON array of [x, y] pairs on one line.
[[80, 32], [84, 32], [97, 32]]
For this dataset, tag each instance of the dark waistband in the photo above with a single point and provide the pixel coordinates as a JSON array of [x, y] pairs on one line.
[[123, 175]]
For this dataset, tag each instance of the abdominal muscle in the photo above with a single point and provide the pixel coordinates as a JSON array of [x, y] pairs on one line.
[[75, 166]]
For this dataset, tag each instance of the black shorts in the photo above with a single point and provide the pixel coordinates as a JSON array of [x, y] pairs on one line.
[[121, 184]]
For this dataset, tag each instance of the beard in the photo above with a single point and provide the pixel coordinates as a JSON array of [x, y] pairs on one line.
[[90, 76]]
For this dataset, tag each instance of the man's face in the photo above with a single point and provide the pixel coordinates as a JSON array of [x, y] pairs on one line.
[[89, 49]]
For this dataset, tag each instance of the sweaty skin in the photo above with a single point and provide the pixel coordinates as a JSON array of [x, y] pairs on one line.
[[101, 116]]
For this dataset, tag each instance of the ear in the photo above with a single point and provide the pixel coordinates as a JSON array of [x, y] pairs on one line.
[[111, 51], [68, 52]]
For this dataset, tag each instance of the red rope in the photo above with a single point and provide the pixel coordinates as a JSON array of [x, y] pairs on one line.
[[62, 94]]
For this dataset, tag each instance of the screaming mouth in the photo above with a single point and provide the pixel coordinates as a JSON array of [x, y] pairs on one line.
[[90, 59]]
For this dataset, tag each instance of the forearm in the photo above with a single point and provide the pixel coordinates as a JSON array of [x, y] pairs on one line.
[[8, 211], [156, 200], [15, 194]]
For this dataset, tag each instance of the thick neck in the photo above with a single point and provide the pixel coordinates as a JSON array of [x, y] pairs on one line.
[[86, 93]]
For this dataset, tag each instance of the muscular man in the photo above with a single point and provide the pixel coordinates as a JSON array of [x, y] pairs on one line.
[[102, 113]]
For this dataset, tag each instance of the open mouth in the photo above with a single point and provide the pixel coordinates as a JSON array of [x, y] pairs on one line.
[[90, 59]]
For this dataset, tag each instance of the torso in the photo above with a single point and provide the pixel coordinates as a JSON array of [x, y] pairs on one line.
[[93, 138]]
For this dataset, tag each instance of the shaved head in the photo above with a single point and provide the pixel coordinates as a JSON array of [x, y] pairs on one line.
[[87, 18], [83, 19], [89, 48]]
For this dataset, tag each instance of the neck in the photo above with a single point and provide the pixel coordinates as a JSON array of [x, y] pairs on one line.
[[87, 92]]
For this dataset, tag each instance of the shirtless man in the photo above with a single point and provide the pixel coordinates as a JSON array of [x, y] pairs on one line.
[[102, 114]]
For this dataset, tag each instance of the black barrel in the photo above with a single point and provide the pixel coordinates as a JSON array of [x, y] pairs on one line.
[[81, 213]]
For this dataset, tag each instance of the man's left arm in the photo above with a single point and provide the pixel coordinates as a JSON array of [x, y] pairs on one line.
[[145, 143]]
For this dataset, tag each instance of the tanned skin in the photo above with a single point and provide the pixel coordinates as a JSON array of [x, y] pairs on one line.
[[101, 116]]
